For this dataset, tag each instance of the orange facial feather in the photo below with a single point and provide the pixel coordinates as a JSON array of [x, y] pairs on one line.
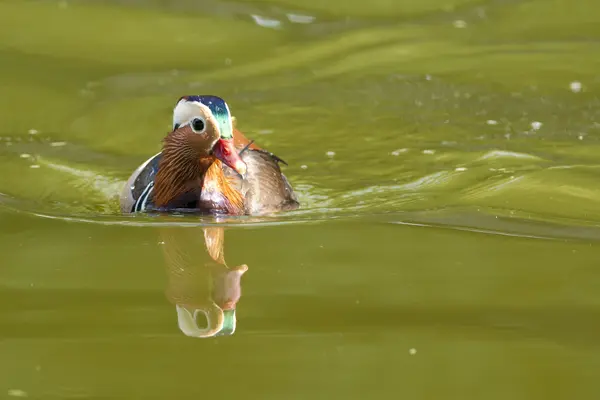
[[216, 182]]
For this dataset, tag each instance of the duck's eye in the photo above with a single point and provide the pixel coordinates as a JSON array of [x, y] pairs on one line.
[[198, 125]]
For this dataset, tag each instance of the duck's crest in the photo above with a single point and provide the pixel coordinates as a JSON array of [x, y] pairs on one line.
[[218, 108]]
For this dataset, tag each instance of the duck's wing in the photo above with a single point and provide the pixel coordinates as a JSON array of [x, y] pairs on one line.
[[266, 189], [136, 193]]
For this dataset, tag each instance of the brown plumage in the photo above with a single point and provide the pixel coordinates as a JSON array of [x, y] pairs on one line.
[[181, 166], [184, 171]]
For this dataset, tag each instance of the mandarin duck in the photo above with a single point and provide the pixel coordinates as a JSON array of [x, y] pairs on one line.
[[208, 166]]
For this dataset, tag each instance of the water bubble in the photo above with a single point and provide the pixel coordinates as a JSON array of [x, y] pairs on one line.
[[25, 155], [428, 151], [17, 393], [459, 23], [491, 122], [300, 19], [58, 144], [266, 22], [397, 152], [34, 166], [303, 166], [536, 125], [330, 153], [412, 351], [33, 131], [575, 87], [460, 169]]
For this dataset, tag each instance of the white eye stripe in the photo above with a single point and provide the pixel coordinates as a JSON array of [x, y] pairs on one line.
[[186, 112]]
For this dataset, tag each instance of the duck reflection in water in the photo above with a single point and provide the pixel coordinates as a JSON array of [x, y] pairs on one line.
[[203, 289]]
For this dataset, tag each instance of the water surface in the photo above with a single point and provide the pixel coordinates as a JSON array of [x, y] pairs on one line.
[[445, 154]]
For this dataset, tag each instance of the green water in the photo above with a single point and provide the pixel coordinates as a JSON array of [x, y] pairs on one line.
[[445, 154]]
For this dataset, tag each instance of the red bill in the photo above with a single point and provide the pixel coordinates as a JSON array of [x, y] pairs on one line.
[[225, 151]]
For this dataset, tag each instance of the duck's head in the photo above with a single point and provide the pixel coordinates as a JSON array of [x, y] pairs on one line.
[[206, 123]]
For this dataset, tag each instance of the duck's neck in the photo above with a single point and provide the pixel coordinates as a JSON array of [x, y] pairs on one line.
[[182, 170]]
